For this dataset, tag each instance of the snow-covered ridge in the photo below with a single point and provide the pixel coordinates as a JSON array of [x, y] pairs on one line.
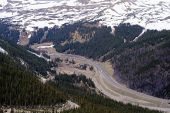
[[3, 51], [151, 14]]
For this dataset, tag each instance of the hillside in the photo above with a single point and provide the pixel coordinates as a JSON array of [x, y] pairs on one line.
[[89, 39], [144, 65], [28, 60], [91, 102], [19, 84], [20, 87], [140, 57], [84, 56]]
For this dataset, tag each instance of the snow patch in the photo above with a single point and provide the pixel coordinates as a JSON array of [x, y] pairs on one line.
[[40, 56], [3, 51], [43, 47]]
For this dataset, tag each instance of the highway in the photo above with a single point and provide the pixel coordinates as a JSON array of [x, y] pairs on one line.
[[116, 91]]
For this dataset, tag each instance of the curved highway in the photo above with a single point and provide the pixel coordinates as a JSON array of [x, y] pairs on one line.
[[116, 91]]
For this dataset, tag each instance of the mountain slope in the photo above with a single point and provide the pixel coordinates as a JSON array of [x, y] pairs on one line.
[[87, 38], [29, 60], [144, 65], [141, 64], [151, 14], [20, 87]]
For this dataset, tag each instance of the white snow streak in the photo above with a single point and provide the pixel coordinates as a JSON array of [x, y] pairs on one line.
[[3, 51]]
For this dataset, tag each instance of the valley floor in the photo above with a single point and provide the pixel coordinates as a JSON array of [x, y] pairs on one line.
[[103, 80]]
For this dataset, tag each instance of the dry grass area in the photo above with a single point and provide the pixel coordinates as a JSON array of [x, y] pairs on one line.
[[65, 66], [74, 69]]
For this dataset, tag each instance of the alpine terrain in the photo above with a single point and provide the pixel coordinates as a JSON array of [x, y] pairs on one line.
[[85, 56]]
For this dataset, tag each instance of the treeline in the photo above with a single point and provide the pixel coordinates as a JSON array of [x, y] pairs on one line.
[[102, 42], [58, 34], [99, 40]]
